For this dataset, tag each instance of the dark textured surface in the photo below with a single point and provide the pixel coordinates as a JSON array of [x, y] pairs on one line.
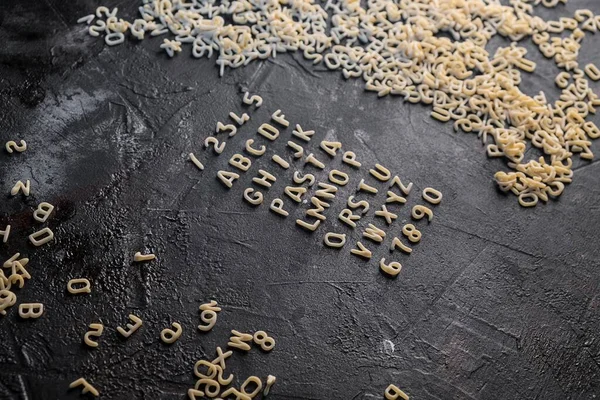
[[495, 302]]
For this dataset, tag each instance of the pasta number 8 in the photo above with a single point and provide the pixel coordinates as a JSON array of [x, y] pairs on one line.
[[412, 233]]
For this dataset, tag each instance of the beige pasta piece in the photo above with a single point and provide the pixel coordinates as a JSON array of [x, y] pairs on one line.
[[21, 187], [335, 240], [349, 158], [41, 237], [251, 380], [385, 214], [339, 177], [233, 392], [221, 357], [362, 251], [266, 179], [374, 233], [212, 369], [5, 234], [268, 131], [277, 207], [348, 217], [327, 191], [227, 178], [196, 162], [278, 117], [254, 99], [195, 394], [362, 186], [302, 134], [396, 243], [592, 71], [18, 274], [394, 198], [432, 196], [412, 233], [300, 179], [31, 310], [319, 207], [43, 211], [295, 192], [86, 288], [240, 162], [239, 120], [208, 315], [240, 340], [270, 382], [218, 147], [311, 159], [8, 263], [87, 388], [363, 204], [211, 387], [393, 393], [131, 328], [392, 269], [12, 146], [330, 148], [404, 188], [226, 128], [7, 300], [95, 330], [255, 199], [311, 227], [255, 152], [280, 161], [266, 342], [381, 173], [170, 336], [139, 257], [298, 150]]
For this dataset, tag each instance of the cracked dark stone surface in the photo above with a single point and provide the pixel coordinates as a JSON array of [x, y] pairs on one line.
[[495, 302]]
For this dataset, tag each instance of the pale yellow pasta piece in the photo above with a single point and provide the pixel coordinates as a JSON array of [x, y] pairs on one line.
[[95, 330], [139, 257], [432, 196], [300, 179], [335, 240], [239, 120], [196, 162], [251, 380], [255, 152], [393, 393], [208, 315], [302, 134], [311, 159], [396, 243], [21, 187], [327, 191], [404, 188], [266, 342], [170, 336], [394, 198], [393, 268], [362, 251], [319, 207], [330, 148], [280, 161], [348, 217], [254, 99], [131, 328], [298, 150], [311, 227], [41, 237], [350, 158], [295, 192], [278, 117], [31, 310], [266, 179], [339, 177], [43, 211], [221, 357], [255, 199], [12, 146], [87, 388], [240, 162], [86, 288], [362, 186], [227, 178], [592, 71], [218, 147], [5, 234], [387, 215], [381, 173], [240, 340], [270, 382], [268, 131], [277, 207]]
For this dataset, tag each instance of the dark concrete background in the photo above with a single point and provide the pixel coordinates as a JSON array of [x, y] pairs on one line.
[[496, 302]]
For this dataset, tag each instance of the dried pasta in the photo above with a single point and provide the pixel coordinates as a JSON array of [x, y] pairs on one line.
[[86, 288], [139, 257]]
